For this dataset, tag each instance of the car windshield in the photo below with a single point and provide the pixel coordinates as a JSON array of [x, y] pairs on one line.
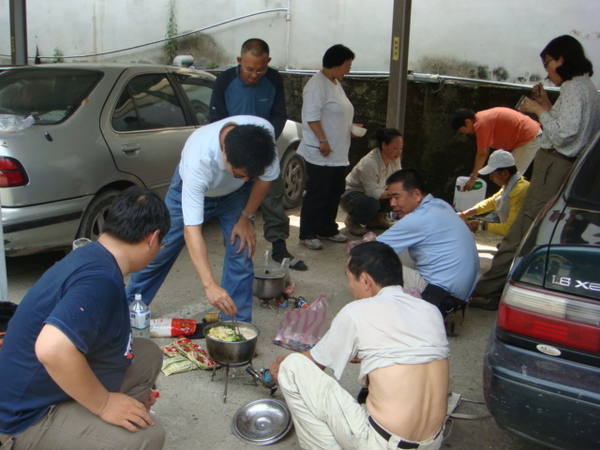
[[50, 96]]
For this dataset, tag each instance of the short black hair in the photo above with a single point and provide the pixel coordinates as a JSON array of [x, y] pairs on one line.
[[459, 117], [251, 148], [377, 259], [135, 213], [511, 169], [570, 49], [336, 56], [410, 179], [256, 46], [387, 135]]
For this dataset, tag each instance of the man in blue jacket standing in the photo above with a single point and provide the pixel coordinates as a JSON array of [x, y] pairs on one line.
[[253, 88]]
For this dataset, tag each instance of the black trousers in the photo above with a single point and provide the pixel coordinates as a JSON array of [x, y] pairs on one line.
[[324, 188], [443, 299]]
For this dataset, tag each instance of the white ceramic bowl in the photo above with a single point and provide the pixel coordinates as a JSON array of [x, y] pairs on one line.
[[358, 131]]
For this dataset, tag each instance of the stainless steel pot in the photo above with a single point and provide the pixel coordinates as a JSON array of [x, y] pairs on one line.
[[269, 281], [231, 352]]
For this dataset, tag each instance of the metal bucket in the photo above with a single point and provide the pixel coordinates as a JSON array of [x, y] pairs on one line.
[[269, 281]]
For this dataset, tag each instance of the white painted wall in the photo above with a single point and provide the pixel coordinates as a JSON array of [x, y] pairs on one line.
[[508, 33]]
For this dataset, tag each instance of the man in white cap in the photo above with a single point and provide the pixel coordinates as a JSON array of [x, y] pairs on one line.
[[507, 201]]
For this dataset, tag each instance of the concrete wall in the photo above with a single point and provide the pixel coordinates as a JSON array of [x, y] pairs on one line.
[[430, 145], [449, 37]]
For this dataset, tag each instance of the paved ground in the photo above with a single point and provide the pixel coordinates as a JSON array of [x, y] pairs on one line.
[[191, 405]]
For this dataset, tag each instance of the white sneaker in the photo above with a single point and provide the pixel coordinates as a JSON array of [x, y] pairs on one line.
[[337, 238], [313, 244]]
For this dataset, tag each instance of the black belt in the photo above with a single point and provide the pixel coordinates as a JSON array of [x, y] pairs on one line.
[[384, 434], [556, 153], [443, 299]]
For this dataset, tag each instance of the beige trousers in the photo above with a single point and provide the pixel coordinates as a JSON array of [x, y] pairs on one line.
[[525, 153], [326, 416], [69, 425]]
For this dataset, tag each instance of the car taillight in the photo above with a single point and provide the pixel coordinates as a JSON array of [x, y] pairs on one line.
[[547, 317], [12, 174]]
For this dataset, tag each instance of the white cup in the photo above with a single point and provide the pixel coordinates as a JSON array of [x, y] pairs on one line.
[[358, 131]]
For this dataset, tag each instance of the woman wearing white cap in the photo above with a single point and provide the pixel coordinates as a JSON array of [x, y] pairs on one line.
[[507, 201]]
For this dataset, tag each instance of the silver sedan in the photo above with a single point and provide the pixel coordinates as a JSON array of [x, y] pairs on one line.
[[98, 129]]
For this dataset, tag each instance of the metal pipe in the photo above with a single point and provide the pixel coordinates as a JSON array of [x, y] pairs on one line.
[[288, 21], [425, 78], [396, 103], [18, 32]]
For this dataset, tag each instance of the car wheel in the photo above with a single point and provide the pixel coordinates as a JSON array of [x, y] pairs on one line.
[[95, 215], [293, 174]]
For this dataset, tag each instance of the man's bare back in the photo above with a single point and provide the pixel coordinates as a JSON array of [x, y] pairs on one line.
[[410, 400]]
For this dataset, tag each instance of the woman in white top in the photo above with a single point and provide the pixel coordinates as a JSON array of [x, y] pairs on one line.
[[326, 131], [366, 200], [568, 125]]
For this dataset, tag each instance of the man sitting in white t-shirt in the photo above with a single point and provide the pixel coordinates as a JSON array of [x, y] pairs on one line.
[[402, 347]]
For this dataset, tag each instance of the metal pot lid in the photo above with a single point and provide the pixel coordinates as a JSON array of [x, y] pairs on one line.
[[262, 422], [269, 272]]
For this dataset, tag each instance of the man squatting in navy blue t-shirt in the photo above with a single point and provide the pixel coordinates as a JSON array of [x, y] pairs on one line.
[[71, 375]]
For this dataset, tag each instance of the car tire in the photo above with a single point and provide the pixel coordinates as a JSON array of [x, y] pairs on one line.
[[95, 215], [293, 174]]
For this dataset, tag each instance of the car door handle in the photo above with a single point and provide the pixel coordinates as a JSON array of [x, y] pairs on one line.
[[128, 148]]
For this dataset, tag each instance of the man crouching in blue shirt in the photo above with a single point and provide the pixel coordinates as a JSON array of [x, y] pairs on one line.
[[437, 250], [71, 375]]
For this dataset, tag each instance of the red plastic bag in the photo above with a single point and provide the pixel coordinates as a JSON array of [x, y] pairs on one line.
[[302, 328]]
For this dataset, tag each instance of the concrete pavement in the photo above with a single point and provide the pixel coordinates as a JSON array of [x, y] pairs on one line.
[[191, 405]]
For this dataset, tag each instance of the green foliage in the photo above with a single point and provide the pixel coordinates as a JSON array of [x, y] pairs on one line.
[[58, 55], [535, 78], [212, 65], [172, 45], [500, 73], [483, 72]]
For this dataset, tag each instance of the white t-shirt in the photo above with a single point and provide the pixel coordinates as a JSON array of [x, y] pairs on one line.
[[326, 102], [203, 171], [387, 329]]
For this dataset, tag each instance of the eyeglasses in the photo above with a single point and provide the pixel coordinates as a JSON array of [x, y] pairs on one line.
[[252, 71], [546, 62]]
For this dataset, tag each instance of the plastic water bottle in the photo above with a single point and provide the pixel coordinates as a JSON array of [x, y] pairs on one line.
[[139, 314]]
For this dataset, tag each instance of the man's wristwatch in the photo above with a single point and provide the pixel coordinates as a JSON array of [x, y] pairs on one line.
[[252, 217], [480, 227], [322, 141]]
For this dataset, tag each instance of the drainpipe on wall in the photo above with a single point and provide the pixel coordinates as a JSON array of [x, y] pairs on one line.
[[18, 33], [3, 277], [399, 65], [288, 20]]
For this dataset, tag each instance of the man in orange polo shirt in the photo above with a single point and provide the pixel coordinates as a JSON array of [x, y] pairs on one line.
[[499, 128]]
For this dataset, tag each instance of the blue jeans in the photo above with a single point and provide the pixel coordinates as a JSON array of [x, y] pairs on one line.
[[238, 270]]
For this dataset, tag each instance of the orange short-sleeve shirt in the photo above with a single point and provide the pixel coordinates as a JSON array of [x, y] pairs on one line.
[[504, 128]]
